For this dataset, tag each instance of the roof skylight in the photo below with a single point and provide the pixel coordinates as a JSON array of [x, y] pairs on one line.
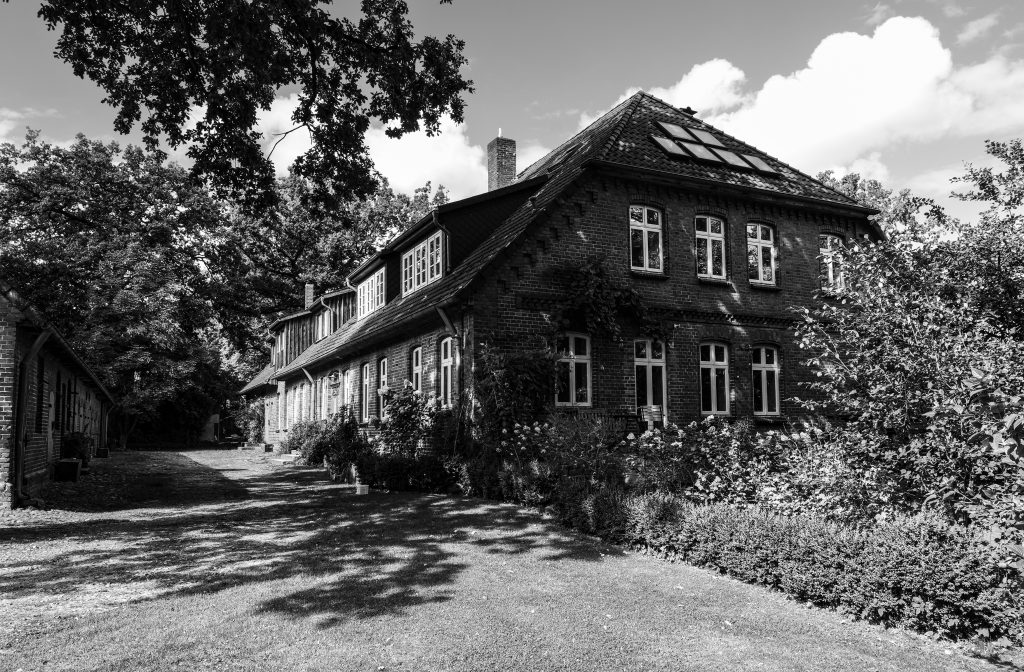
[[700, 151], [759, 163], [732, 157], [705, 137], [675, 131], [669, 146]]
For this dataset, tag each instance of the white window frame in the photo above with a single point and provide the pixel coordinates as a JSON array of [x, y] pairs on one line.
[[370, 294], [713, 365], [416, 369], [569, 356], [365, 399], [646, 229], [348, 395], [446, 382], [830, 269], [422, 264], [650, 362], [382, 384], [705, 246], [757, 245], [759, 379]]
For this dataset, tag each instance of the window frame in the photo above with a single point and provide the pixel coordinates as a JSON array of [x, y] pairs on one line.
[[446, 371], [759, 368], [713, 366], [370, 295], [382, 385], [416, 369], [830, 272], [422, 264], [646, 228], [364, 401], [649, 363], [348, 390], [572, 359], [760, 244], [704, 247]]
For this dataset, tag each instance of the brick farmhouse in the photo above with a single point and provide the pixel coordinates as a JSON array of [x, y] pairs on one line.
[[46, 393], [719, 238]]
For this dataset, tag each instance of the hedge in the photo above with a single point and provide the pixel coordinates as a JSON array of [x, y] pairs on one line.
[[915, 572]]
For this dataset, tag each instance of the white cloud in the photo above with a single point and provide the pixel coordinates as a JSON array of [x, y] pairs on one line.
[[869, 167], [709, 87], [879, 13], [978, 28], [14, 122]]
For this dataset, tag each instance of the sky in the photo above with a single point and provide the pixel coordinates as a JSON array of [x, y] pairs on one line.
[[904, 91]]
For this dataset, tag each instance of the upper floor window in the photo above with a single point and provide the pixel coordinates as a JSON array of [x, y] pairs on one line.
[[370, 293], [447, 371], [829, 257], [416, 369], [714, 378], [422, 264], [645, 239], [649, 365], [324, 324], [572, 375], [710, 247], [765, 367], [280, 348], [761, 254]]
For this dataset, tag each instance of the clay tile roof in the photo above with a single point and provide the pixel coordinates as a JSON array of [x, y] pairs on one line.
[[262, 378]]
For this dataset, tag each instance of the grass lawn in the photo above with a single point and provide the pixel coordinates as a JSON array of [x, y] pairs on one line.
[[218, 560]]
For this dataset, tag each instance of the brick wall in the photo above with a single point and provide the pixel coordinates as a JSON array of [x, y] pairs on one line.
[[514, 302], [8, 369]]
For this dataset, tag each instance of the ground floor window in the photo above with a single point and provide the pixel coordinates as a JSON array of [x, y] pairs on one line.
[[714, 378], [572, 375], [447, 371], [365, 414], [382, 385], [765, 367], [416, 369], [649, 367]]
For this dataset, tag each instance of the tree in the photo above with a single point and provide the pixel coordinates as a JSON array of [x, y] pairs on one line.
[[199, 73], [114, 247]]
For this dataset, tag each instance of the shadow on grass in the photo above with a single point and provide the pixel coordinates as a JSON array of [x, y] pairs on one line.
[[343, 556]]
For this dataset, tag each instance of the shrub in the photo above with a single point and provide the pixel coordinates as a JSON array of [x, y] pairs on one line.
[[405, 421]]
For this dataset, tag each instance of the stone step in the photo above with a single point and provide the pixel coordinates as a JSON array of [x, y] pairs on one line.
[[285, 458]]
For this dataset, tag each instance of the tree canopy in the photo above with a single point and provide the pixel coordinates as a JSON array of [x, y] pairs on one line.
[[198, 74]]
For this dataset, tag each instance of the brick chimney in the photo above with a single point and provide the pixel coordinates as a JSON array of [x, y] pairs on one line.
[[310, 295], [501, 162]]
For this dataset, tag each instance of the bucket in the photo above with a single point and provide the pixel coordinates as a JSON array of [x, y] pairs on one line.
[[362, 489]]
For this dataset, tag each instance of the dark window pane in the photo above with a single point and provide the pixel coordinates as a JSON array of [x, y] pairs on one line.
[[758, 392], [702, 223], [581, 347], [563, 344], [716, 226], [641, 386], [640, 349], [562, 386], [705, 390], [717, 258], [751, 230], [653, 217], [752, 267], [757, 355], [636, 245], [720, 390], [658, 385], [767, 272], [769, 355], [582, 393], [719, 353], [705, 353], [773, 406], [702, 256], [657, 350], [766, 233], [654, 250]]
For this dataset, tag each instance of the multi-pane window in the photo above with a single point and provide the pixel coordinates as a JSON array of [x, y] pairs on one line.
[[765, 367], [710, 247], [447, 370], [762, 258], [324, 324], [382, 384], [645, 238], [829, 256], [649, 363], [348, 394], [370, 294], [572, 375], [365, 400], [416, 369], [714, 378], [422, 264]]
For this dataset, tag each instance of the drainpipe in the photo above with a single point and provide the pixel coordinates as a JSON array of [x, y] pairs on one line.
[[21, 411]]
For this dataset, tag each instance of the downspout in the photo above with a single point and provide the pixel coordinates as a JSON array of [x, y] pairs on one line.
[[21, 411]]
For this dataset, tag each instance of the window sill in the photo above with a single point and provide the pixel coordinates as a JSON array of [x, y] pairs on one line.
[[722, 282], [771, 419], [765, 287], [648, 275]]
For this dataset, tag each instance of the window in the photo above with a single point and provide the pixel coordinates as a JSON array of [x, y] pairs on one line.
[[710, 247], [765, 369], [324, 324], [447, 371], [572, 377], [365, 414], [761, 254], [40, 385], [382, 385], [281, 347], [422, 264], [348, 394], [645, 239], [649, 364], [829, 251], [370, 294], [416, 369], [714, 378]]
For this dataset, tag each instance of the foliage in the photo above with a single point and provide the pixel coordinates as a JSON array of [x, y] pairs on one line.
[[201, 75], [116, 248], [77, 445], [596, 299], [396, 472], [249, 418], [345, 444], [918, 572], [513, 387], [406, 421]]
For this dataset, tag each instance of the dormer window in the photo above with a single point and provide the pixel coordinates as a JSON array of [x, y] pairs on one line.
[[370, 294], [324, 324], [422, 264]]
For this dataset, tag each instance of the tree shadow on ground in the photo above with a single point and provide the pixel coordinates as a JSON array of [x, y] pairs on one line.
[[351, 557]]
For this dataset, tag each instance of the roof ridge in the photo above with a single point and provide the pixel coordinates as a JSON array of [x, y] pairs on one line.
[[623, 121]]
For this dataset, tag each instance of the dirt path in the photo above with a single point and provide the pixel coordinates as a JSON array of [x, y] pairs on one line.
[[221, 560]]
